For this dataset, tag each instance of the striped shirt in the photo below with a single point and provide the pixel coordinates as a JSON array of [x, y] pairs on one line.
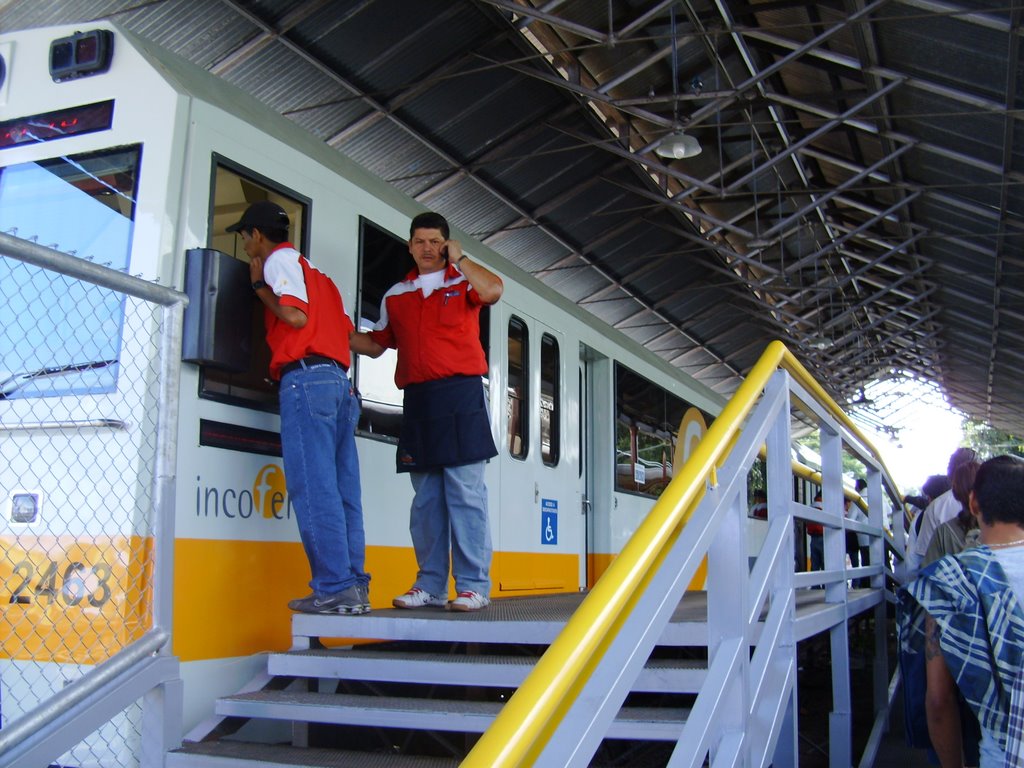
[[981, 626]]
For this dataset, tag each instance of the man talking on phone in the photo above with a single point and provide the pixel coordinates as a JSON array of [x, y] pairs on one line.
[[432, 318]]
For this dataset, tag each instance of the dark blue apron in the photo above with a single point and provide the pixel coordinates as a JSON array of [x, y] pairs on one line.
[[444, 424]]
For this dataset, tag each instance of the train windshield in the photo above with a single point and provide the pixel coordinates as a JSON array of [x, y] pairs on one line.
[[60, 336]]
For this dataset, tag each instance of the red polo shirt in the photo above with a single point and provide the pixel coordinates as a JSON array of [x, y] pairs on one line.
[[299, 284], [437, 336]]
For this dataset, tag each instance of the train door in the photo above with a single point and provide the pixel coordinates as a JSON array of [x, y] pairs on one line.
[[596, 469], [584, 444], [540, 529]]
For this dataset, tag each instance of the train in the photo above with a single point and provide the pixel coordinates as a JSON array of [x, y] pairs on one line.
[[118, 152]]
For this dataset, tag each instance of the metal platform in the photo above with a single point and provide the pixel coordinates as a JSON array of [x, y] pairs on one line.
[[537, 620]]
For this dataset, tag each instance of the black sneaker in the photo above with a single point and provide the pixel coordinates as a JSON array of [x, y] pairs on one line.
[[348, 602], [296, 604]]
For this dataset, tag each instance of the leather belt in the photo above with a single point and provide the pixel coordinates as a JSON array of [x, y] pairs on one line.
[[311, 360]]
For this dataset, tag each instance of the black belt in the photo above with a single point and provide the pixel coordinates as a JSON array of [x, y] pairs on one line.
[[310, 360]]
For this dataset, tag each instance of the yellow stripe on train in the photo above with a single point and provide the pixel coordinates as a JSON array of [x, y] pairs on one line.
[[80, 601], [230, 597], [71, 599]]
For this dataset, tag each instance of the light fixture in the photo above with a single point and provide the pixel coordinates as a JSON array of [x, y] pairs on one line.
[[24, 507], [678, 145]]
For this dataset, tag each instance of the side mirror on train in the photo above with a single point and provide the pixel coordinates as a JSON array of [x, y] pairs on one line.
[[217, 329]]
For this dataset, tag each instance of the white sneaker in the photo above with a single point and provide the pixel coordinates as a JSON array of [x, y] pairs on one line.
[[417, 598], [468, 601]]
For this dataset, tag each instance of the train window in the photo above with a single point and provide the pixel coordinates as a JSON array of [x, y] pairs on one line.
[[646, 429], [516, 405], [485, 343], [485, 337], [60, 336], [233, 191], [581, 422], [550, 400], [384, 259]]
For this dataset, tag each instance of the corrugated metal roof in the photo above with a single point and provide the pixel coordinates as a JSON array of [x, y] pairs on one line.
[[858, 193]]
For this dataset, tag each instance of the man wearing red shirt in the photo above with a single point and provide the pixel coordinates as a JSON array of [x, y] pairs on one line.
[[432, 318], [307, 331]]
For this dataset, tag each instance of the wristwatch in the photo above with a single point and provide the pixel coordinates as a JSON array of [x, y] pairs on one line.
[[258, 284]]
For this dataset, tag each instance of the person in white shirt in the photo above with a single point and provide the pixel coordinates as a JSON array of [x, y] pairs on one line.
[[856, 543], [945, 507], [961, 532], [933, 487]]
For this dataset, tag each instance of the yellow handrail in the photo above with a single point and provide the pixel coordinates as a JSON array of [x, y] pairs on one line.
[[527, 721]]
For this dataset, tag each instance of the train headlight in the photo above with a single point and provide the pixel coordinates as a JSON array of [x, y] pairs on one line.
[[24, 507], [82, 54]]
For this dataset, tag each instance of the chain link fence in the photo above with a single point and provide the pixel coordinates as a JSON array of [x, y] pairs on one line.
[[81, 409]]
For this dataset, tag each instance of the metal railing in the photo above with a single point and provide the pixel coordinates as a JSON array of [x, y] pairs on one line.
[[87, 471], [744, 714]]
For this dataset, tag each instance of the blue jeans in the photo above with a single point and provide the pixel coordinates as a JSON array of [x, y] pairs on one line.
[[319, 412], [449, 513], [817, 552]]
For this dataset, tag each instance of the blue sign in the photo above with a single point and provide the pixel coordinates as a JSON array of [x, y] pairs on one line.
[[549, 522]]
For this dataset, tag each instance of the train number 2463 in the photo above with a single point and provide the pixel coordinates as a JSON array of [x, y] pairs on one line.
[[77, 585]]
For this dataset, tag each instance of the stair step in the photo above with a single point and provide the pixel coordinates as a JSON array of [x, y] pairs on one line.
[[406, 667], [239, 754], [650, 723], [494, 671]]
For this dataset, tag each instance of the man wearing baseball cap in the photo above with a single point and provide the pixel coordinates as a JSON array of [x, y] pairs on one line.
[[307, 331]]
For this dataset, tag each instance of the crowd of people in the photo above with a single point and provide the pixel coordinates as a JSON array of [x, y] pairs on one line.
[[961, 618], [961, 611]]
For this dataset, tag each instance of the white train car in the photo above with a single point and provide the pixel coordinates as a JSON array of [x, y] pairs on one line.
[[114, 150]]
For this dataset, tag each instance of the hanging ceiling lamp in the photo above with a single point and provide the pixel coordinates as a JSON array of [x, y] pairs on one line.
[[677, 144]]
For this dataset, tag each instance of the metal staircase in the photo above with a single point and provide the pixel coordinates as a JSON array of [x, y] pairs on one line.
[[430, 672], [444, 676], [602, 680]]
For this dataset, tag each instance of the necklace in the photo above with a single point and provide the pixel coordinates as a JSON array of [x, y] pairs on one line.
[[1001, 545]]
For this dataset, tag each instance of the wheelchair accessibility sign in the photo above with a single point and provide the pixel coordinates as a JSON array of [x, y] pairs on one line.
[[549, 522]]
